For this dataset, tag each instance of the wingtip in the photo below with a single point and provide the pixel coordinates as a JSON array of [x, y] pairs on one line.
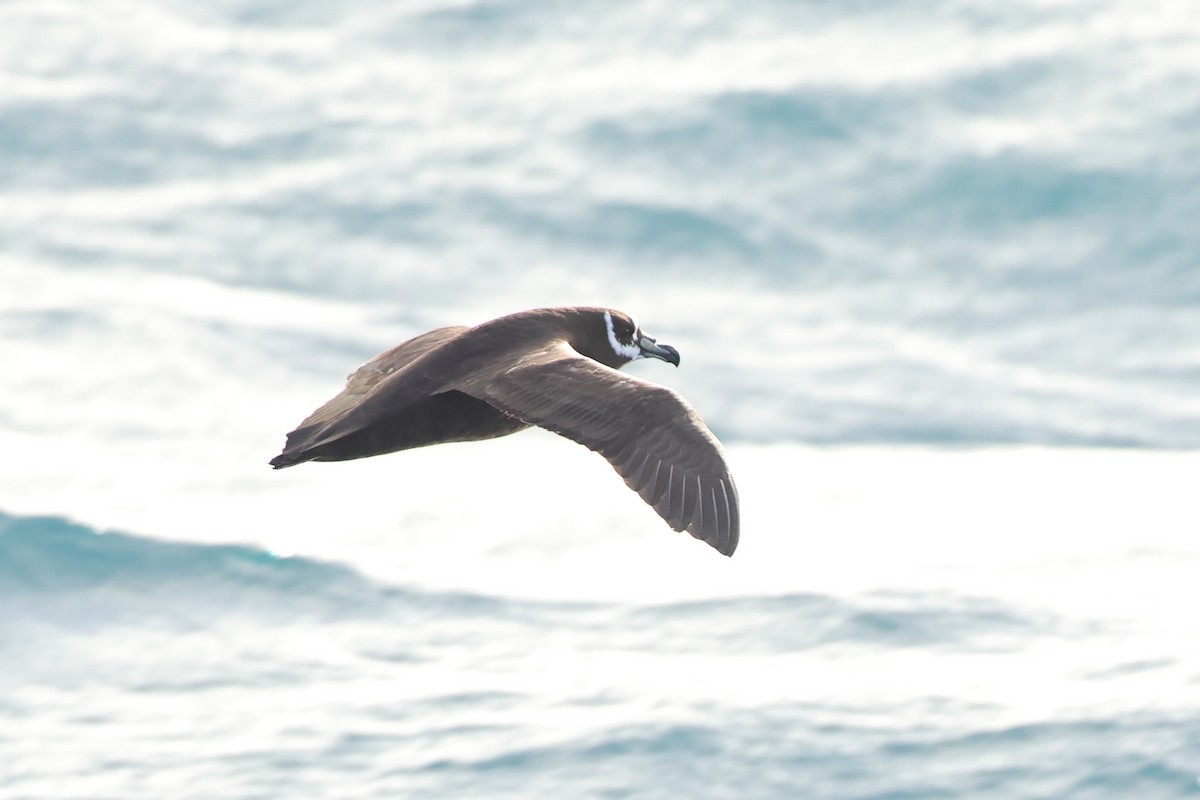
[[724, 547], [723, 542]]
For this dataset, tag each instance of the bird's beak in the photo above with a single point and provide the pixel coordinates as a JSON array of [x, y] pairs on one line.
[[652, 349]]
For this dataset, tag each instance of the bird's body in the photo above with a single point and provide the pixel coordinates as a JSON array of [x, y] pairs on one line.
[[413, 410], [555, 368]]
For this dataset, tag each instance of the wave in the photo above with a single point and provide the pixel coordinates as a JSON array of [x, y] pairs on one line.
[[58, 571], [1100, 756], [61, 572], [973, 249], [795, 622]]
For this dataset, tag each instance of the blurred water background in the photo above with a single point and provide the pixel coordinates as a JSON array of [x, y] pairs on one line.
[[934, 270]]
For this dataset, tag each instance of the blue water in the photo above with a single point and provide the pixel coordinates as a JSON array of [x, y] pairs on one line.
[[934, 272], [134, 665]]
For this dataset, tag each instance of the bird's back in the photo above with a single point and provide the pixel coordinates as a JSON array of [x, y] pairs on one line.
[[392, 403]]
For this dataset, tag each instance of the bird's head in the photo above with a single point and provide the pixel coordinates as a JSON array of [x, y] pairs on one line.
[[624, 341]]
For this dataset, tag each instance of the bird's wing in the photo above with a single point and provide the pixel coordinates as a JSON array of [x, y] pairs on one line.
[[360, 382], [653, 438]]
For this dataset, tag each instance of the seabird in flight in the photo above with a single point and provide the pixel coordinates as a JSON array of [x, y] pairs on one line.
[[551, 367]]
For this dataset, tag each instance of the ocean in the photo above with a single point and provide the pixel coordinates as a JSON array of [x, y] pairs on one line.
[[934, 272]]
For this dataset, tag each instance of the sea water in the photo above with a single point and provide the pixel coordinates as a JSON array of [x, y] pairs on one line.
[[896, 624], [932, 269]]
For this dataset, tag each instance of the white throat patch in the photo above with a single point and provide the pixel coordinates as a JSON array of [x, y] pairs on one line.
[[629, 351]]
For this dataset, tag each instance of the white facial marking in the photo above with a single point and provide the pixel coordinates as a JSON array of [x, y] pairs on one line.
[[629, 351]]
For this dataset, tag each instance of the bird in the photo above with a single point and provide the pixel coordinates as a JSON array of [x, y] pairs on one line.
[[556, 368]]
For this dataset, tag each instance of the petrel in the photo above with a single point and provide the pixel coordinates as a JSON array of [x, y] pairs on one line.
[[551, 367]]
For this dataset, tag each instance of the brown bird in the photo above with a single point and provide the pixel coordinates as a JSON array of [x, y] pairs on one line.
[[551, 367]]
